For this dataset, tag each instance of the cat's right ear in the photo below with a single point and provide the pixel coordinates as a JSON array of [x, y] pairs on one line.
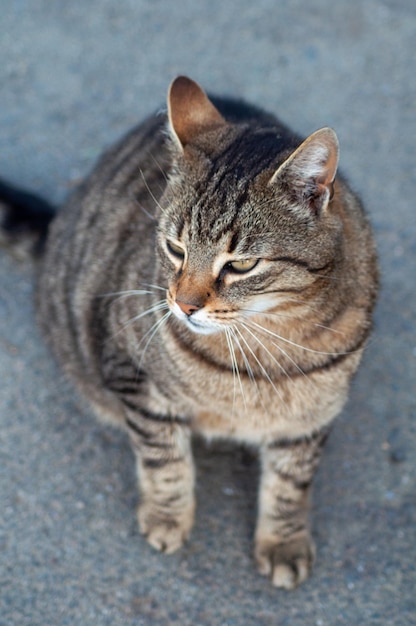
[[190, 111], [309, 172]]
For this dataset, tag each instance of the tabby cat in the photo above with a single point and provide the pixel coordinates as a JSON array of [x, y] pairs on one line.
[[214, 274]]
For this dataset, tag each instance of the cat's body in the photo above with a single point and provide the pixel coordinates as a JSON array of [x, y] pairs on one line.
[[204, 279]]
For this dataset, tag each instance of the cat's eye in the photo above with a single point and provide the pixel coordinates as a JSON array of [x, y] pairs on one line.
[[175, 249], [242, 266]]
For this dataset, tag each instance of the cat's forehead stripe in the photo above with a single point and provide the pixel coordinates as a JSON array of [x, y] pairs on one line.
[[234, 240], [217, 215], [250, 153]]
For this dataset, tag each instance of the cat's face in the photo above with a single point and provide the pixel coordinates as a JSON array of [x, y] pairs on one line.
[[214, 279], [226, 260], [236, 239]]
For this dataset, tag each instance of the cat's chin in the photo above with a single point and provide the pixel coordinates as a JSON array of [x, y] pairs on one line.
[[197, 323], [200, 328]]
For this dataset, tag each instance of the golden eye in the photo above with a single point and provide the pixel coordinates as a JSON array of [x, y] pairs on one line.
[[175, 250], [242, 266]]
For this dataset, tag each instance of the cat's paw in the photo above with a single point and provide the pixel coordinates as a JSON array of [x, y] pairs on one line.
[[165, 533], [287, 564]]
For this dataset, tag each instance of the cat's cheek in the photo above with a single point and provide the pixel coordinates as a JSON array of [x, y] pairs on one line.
[[262, 304]]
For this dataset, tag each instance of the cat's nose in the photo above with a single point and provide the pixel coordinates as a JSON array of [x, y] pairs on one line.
[[187, 307]]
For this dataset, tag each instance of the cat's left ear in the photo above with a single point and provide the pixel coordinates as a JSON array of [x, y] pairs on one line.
[[190, 111], [308, 173]]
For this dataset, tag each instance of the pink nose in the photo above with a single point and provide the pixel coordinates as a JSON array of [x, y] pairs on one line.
[[187, 307]]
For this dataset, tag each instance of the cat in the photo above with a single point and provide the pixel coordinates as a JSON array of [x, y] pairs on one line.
[[214, 274]]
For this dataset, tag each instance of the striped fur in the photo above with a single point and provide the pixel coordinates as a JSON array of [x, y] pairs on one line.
[[213, 275]]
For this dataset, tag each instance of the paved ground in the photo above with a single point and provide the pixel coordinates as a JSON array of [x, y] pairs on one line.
[[73, 77]]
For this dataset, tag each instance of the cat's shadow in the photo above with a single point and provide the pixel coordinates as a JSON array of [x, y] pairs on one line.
[[227, 482], [227, 478], [227, 474]]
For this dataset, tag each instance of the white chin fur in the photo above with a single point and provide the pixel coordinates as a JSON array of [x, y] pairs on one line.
[[198, 326], [201, 329]]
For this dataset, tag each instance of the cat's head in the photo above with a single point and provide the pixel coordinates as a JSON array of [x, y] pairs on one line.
[[247, 224]]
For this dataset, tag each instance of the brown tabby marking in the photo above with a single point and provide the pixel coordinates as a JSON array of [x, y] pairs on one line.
[[220, 278]]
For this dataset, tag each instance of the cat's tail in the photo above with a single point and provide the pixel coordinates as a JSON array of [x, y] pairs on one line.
[[24, 221]]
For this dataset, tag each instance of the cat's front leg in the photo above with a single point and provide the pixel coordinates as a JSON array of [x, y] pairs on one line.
[[162, 446], [284, 549]]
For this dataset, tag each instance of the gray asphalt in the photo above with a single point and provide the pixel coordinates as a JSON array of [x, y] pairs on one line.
[[74, 76]]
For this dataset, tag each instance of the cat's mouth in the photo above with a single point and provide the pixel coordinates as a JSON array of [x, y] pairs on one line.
[[197, 322]]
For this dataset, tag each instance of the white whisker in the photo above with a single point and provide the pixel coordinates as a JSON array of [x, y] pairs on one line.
[[145, 211], [261, 344], [155, 200], [289, 358], [248, 366], [293, 317], [156, 162], [158, 306], [234, 330], [261, 366], [152, 332], [236, 369], [128, 292], [154, 286], [293, 343]]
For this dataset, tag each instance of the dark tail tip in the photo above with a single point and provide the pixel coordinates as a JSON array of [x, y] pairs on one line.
[[24, 218]]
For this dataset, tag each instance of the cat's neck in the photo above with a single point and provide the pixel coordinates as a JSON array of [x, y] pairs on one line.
[[271, 345]]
